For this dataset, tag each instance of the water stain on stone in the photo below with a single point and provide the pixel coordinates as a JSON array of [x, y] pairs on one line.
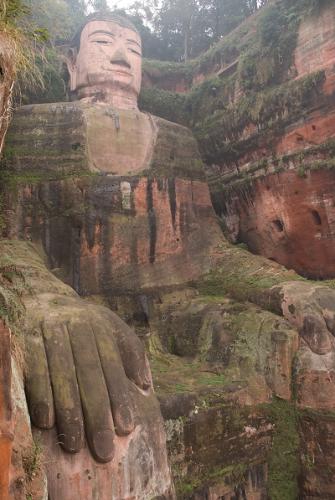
[[152, 222]]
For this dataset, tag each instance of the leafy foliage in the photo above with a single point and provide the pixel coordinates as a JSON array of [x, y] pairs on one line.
[[60, 19], [251, 88], [22, 39], [182, 29]]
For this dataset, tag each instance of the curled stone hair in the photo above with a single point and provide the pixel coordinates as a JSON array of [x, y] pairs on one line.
[[103, 16]]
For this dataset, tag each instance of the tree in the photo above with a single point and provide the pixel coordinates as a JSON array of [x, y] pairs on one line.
[[174, 24], [185, 28], [98, 5], [60, 19]]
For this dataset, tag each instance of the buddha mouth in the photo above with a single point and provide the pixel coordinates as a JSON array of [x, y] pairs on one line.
[[121, 70]]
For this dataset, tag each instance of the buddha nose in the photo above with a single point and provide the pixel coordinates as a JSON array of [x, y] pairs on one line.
[[120, 58]]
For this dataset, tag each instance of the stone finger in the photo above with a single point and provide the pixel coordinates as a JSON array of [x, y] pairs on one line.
[[37, 382], [116, 379], [133, 355], [65, 387], [99, 423]]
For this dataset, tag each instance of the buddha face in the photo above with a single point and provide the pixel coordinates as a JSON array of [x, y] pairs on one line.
[[108, 62]]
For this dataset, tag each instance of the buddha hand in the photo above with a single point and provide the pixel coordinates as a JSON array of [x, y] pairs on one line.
[[82, 362]]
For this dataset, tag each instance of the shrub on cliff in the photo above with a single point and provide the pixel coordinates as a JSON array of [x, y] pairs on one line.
[[21, 39]]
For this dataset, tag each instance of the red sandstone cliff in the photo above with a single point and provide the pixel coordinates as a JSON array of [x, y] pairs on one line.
[[286, 213], [6, 417]]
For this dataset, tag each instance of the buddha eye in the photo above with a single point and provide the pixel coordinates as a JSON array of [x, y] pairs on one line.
[[102, 42], [135, 52]]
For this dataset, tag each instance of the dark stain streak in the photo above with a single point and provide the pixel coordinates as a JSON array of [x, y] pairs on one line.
[[152, 223], [106, 264], [172, 198], [75, 253]]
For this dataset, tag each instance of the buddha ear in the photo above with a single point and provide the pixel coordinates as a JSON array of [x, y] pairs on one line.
[[71, 63]]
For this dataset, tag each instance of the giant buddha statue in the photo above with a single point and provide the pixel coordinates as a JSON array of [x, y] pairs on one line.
[[132, 211], [118, 202], [87, 378]]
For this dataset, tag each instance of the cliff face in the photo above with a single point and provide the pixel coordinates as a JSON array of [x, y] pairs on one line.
[[288, 215], [284, 210], [43, 468], [263, 114], [269, 131]]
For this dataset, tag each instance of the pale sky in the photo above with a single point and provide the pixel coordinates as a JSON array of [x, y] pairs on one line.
[[121, 4]]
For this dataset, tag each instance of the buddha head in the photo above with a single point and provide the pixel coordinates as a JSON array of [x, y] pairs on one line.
[[105, 61]]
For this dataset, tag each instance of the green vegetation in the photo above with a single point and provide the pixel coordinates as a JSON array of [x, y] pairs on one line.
[[240, 183], [243, 278], [157, 70], [233, 474], [168, 105], [284, 463], [32, 463], [220, 134], [12, 285], [182, 29], [59, 19], [175, 375], [24, 42]]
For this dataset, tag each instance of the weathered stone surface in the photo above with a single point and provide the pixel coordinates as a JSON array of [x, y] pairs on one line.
[[288, 218], [27, 473], [223, 364], [315, 384], [243, 351], [220, 451], [317, 455], [315, 129], [290, 115], [104, 61], [315, 48], [46, 138], [252, 486], [213, 359], [77, 138], [21, 474], [122, 235]]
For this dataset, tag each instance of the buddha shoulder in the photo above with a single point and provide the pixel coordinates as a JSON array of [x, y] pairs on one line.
[[78, 136]]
